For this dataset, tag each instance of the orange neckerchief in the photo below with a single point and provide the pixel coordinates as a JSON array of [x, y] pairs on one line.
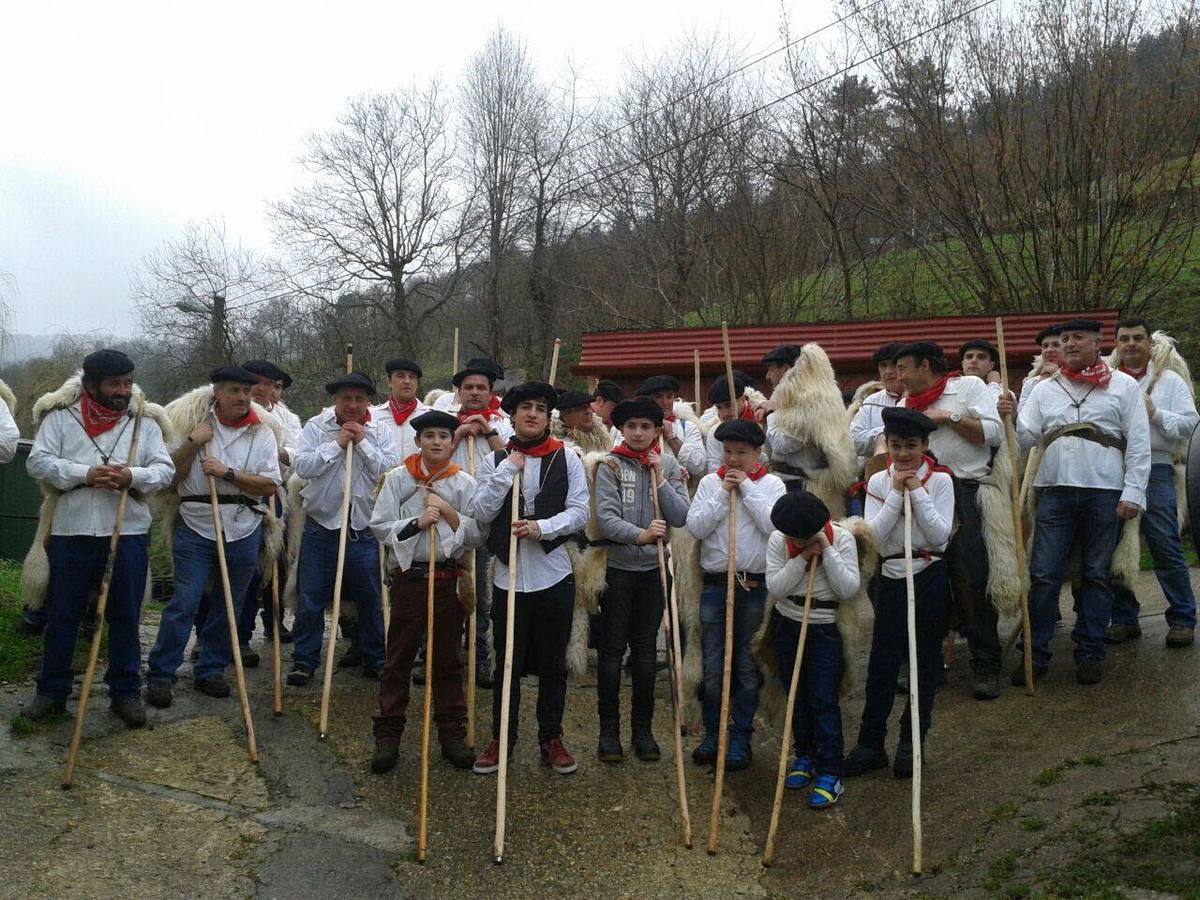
[[417, 470]]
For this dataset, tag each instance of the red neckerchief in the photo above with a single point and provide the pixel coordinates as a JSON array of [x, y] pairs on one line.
[[933, 466], [1136, 374], [754, 474], [401, 411], [747, 413], [543, 446], [98, 418], [490, 412], [250, 418], [1099, 374], [363, 421], [793, 549], [417, 470], [670, 417], [922, 401], [640, 456]]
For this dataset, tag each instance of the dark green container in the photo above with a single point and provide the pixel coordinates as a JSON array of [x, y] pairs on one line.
[[20, 499]]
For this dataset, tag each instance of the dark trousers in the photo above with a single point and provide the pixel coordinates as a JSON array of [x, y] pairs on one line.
[[967, 555], [76, 568], [631, 609], [541, 629], [889, 645], [817, 716], [405, 634]]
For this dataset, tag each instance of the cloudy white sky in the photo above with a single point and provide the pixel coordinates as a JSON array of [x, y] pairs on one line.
[[122, 120]]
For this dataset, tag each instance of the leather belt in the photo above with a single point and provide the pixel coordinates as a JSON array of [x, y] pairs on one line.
[[927, 555], [421, 573], [816, 604], [251, 503], [1088, 432], [747, 581]]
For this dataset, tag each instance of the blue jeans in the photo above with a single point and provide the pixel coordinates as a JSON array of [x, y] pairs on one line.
[[76, 569], [314, 583], [1066, 516], [1160, 529], [817, 719], [743, 693], [195, 564]]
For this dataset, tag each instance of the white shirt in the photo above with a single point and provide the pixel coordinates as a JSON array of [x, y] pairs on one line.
[[479, 444], [291, 425], [61, 455], [536, 569], [836, 579], [322, 463], [403, 436], [867, 424], [9, 434], [969, 397], [1117, 410], [933, 517], [252, 450], [401, 501], [708, 521], [1174, 415]]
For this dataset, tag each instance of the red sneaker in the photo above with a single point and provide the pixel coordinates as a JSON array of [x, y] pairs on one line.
[[557, 757], [489, 760]]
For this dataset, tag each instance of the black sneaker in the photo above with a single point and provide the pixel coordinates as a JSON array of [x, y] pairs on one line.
[[1089, 671], [250, 658], [213, 686], [351, 659], [129, 710], [285, 635], [645, 747], [385, 758], [43, 706], [456, 753], [158, 694], [609, 748], [299, 676], [1018, 675], [986, 686], [863, 759]]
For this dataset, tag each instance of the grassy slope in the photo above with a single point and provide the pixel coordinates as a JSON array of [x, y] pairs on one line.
[[18, 654]]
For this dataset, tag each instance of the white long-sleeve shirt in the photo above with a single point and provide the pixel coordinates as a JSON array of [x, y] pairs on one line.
[[320, 461], [482, 450], [403, 436], [1118, 410], [536, 569], [1174, 415], [714, 450], [933, 517], [61, 455], [252, 450], [867, 424], [401, 501], [708, 521], [970, 397], [837, 576], [9, 434]]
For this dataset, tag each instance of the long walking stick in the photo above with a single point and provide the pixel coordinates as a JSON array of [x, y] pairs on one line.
[[385, 606], [506, 690], [101, 603], [341, 565], [785, 741], [554, 360], [278, 664], [696, 379], [472, 624], [1019, 538], [913, 691], [676, 673], [455, 369], [423, 819]]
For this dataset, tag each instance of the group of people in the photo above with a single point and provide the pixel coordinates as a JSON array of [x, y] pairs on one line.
[[608, 490]]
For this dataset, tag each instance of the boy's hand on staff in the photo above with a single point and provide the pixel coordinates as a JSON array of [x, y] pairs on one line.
[[433, 501], [654, 532], [656, 465], [1006, 406], [518, 460], [527, 528], [905, 480], [430, 516], [733, 477]]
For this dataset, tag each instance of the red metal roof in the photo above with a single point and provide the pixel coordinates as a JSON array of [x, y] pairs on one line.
[[609, 354]]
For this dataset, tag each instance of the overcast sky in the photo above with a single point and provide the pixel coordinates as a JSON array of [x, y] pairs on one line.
[[120, 121]]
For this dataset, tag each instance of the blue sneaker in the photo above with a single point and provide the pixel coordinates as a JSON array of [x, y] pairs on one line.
[[827, 790], [799, 773], [706, 753], [739, 755]]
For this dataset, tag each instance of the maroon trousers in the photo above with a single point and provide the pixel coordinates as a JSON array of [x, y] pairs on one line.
[[445, 678]]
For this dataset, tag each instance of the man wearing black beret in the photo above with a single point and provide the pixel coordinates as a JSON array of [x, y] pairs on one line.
[[866, 426], [681, 438], [578, 426]]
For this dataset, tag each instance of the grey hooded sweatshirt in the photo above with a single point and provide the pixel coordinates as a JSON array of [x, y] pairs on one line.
[[624, 508]]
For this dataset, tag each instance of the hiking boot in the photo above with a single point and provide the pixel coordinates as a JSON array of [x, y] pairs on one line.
[[864, 759], [488, 761], [43, 706], [986, 686], [299, 676], [557, 757], [1120, 633], [608, 748], [1178, 636], [457, 753], [213, 686], [739, 755], [645, 747], [902, 765], [370, 673], [250, 658], [128, 708], [351, 659], [1089, 671], [706, 753], [1018, 674], [385, 758], [158, 694]]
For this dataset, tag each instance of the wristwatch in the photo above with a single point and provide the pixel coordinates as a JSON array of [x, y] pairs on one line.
[[229, 475], [490, 434], [955, 418]]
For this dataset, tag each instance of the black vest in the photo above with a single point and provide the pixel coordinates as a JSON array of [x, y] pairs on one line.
[[550, 501]]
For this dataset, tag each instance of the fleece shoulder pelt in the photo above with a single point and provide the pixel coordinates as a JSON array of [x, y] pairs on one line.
[[9, 398]]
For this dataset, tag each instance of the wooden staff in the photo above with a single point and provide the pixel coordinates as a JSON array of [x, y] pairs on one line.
[[506, 690], [554, 360], [913, 669], [423, 819], [341, 565], [786, 739], [472, 626], [278, 664], [385, 605], [101, 603], [696, 378], [734, 399], [673, 652], [1010, 436], [455, 369]]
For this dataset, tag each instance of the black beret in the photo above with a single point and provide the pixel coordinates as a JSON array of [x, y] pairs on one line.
[[285, 379], [573, 400], [921, 351], [232, 373], [356, 380], [637, 408], [1082, 325], [529, 390], [399, 364], [980, 344], [264, 368], [799, 514], [658, 383], [719, 392], [1048, 331], [740, 430], [906, 423], [609, 390], [886, 353], [783, 355], [106, 364], [480, 365], [434, 418]]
